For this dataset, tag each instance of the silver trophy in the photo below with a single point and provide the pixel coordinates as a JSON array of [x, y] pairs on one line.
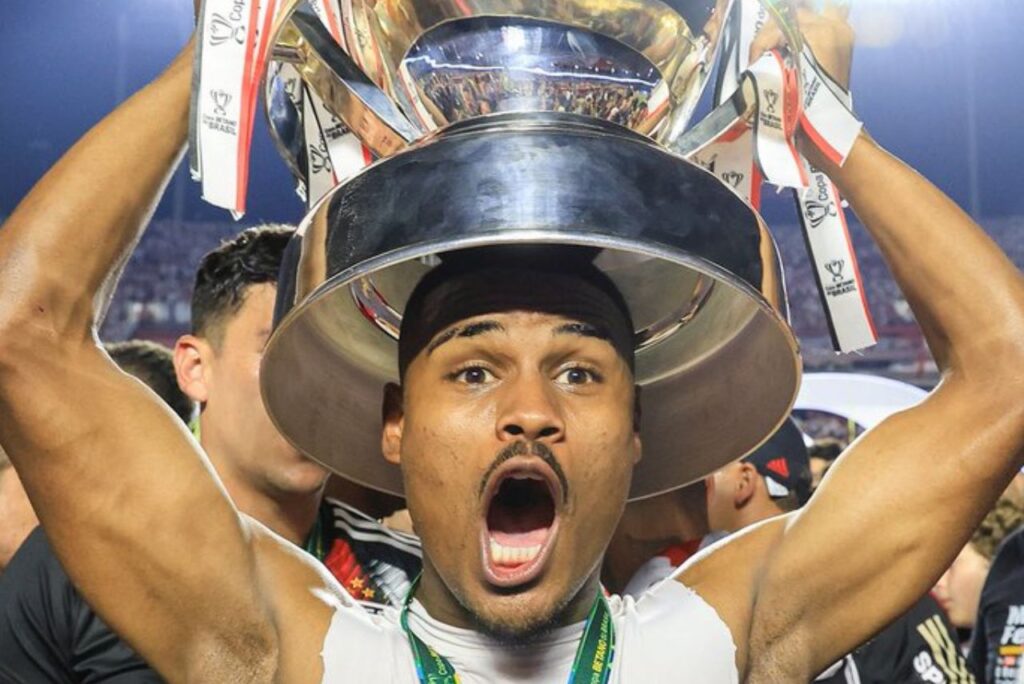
[[525, 122]]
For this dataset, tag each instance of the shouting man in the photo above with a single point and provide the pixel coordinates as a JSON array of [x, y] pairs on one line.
[[516, 430]]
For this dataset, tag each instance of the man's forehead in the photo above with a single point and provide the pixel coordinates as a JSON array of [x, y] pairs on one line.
[[510, 321]]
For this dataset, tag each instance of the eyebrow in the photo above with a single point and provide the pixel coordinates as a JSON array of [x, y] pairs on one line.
[[471, 330], [582, 329]]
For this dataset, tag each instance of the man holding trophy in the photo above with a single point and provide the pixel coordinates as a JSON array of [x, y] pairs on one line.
[[544, 304]]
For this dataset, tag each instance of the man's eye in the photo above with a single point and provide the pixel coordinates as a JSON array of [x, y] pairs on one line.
[[474, 375], [576, 376]]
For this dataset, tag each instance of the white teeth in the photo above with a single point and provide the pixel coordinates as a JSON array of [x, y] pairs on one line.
[[513, 555]]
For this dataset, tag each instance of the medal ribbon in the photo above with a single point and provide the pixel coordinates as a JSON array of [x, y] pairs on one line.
[[592, 665]]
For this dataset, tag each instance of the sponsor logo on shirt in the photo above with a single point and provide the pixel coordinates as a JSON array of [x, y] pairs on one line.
[[1009, 661], [942, 662]]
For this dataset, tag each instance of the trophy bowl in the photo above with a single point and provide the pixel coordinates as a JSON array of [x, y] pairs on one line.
[[716, 362], [412, 67]]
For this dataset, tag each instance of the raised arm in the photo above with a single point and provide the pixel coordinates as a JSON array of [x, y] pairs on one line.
[[130, 503], [898, 506]]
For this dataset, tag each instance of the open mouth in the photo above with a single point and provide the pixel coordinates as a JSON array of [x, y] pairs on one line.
[[521, 519]]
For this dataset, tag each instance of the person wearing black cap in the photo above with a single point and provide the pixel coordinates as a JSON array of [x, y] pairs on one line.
[[517, 433], [659, 534], [774, 480]]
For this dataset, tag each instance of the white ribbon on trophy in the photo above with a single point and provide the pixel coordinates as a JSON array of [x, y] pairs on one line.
[[225, 91], [823, 111], [333, 153]]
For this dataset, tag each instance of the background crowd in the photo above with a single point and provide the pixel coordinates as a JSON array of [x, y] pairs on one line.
[[152, 301]]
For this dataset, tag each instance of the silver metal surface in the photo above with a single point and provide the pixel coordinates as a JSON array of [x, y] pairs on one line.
[[417, 65], [716, 360]]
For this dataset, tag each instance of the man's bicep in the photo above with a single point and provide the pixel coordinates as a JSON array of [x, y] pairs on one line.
[[887, 520], [133, 510]]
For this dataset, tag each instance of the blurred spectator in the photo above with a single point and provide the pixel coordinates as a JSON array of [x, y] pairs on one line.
[[773, 480], [959, 589], [152, 300], [823, 454], [997, 647], [655, 536], [153, 364]]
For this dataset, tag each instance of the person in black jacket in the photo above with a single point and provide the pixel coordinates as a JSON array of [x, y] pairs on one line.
[[997, 648]]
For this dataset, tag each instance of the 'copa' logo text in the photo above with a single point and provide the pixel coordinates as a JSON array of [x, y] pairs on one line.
[[231, 27]]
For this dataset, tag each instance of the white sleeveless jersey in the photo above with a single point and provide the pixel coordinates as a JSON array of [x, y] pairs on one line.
[[668, 634]]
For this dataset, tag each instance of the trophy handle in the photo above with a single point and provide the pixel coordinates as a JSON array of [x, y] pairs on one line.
[[345, 90], [684, 139], [739, 106]]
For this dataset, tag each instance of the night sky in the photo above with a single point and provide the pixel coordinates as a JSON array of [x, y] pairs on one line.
[[918, 66]]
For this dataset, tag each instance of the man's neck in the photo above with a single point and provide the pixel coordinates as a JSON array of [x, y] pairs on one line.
[[754, 512], [290, 515], [625, 556]]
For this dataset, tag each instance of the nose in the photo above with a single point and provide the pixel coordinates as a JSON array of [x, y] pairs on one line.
[[529, 410]]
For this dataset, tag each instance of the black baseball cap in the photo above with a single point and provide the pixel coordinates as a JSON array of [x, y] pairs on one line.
[[784, 463]]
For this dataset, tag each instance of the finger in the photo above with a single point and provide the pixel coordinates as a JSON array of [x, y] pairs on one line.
[[837, 9], [770, 38]]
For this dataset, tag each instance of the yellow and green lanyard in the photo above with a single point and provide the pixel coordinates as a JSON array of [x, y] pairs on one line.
[[592, 665]]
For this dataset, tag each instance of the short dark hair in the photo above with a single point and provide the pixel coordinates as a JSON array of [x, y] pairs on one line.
[[788, 503], [153, 364], [827, 449], [1004, 518], [250, 258]]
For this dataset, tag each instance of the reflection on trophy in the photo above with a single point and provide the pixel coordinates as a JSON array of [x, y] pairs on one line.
[[518, 125]]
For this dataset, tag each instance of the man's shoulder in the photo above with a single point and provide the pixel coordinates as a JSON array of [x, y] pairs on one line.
[[34, 580], [1004, 584], [1010, 556]]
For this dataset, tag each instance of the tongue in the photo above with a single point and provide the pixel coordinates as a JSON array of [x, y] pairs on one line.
[[520, 539], [519, 524]]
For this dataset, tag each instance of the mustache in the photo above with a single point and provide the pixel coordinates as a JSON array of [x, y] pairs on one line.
[[538, 449]]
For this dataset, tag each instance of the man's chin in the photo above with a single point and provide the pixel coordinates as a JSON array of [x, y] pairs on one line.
[[516, 618], [517, 629]]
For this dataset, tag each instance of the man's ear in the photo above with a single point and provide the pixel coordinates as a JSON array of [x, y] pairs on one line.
[[746, 484], [394, 422], [192, 367]]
